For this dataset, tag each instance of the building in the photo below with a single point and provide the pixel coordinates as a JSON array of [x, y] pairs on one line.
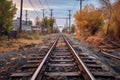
[[55, 28], [26, 25], [36, 29]]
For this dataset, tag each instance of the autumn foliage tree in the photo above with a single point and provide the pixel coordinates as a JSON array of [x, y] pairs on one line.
[[105, 20], [73, 28], [7, 11], [116, 20], [107, 11], [112, 17], [47, 23], [89, 20]]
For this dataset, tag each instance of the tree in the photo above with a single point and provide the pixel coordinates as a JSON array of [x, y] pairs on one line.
[[7, 11], [107, 9], [72, 28], [37, 21], [88, 20], [116, 20], [51, 24], [48, 24], [112, 18]]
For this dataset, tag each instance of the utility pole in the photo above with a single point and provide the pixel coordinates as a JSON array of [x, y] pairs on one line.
[[81, 4], [51, 10], [26, 15], [66, 22], [51, 14], [43, 10], [69, 19], [43, 28], [21, 9]]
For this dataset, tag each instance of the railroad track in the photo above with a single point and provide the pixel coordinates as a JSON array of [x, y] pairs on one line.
[[35, 57], [96, 67], [61, 62], [110, 55]]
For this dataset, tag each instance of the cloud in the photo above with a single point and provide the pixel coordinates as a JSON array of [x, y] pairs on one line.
[[60, 7]]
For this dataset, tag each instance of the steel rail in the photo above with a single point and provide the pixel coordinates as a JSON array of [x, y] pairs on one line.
[[85, 69], [34, 76], [110, 55]]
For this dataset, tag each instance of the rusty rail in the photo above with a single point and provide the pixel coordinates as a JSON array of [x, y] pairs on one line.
[[87, 74], [43, 61]]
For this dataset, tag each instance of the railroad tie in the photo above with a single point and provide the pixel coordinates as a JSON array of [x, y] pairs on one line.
[[62, 73]]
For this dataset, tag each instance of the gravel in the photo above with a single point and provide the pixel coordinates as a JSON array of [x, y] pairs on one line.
[[14, 60], [113, 65]]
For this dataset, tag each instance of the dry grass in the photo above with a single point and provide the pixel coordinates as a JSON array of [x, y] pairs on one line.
[[14, 44], [91, 41], [94, 40]]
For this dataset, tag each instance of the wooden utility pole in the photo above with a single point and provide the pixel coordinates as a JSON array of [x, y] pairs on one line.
[[43, 28], [21, 9], [69, 19], [26, 15], [51, 10], [81, 4], [51, 17], [43, 10], [66, 22]]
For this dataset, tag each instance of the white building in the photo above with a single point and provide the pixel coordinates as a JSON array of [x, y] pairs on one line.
[[26, 25], [36, 29]]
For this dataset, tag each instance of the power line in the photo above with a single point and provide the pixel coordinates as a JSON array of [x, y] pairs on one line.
[[33, 13], [61, 17], [33, 8], [73, 7], [40, 3], [47, 4]]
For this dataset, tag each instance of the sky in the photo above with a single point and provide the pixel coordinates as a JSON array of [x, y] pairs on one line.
[[60, 8]]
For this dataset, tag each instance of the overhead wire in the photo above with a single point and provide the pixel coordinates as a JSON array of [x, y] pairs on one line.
[[73, 7], [47, 4], [33, 8], [41, 4], [85, 1]]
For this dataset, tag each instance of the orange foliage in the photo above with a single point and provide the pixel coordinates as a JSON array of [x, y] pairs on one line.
[[89, 19]]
